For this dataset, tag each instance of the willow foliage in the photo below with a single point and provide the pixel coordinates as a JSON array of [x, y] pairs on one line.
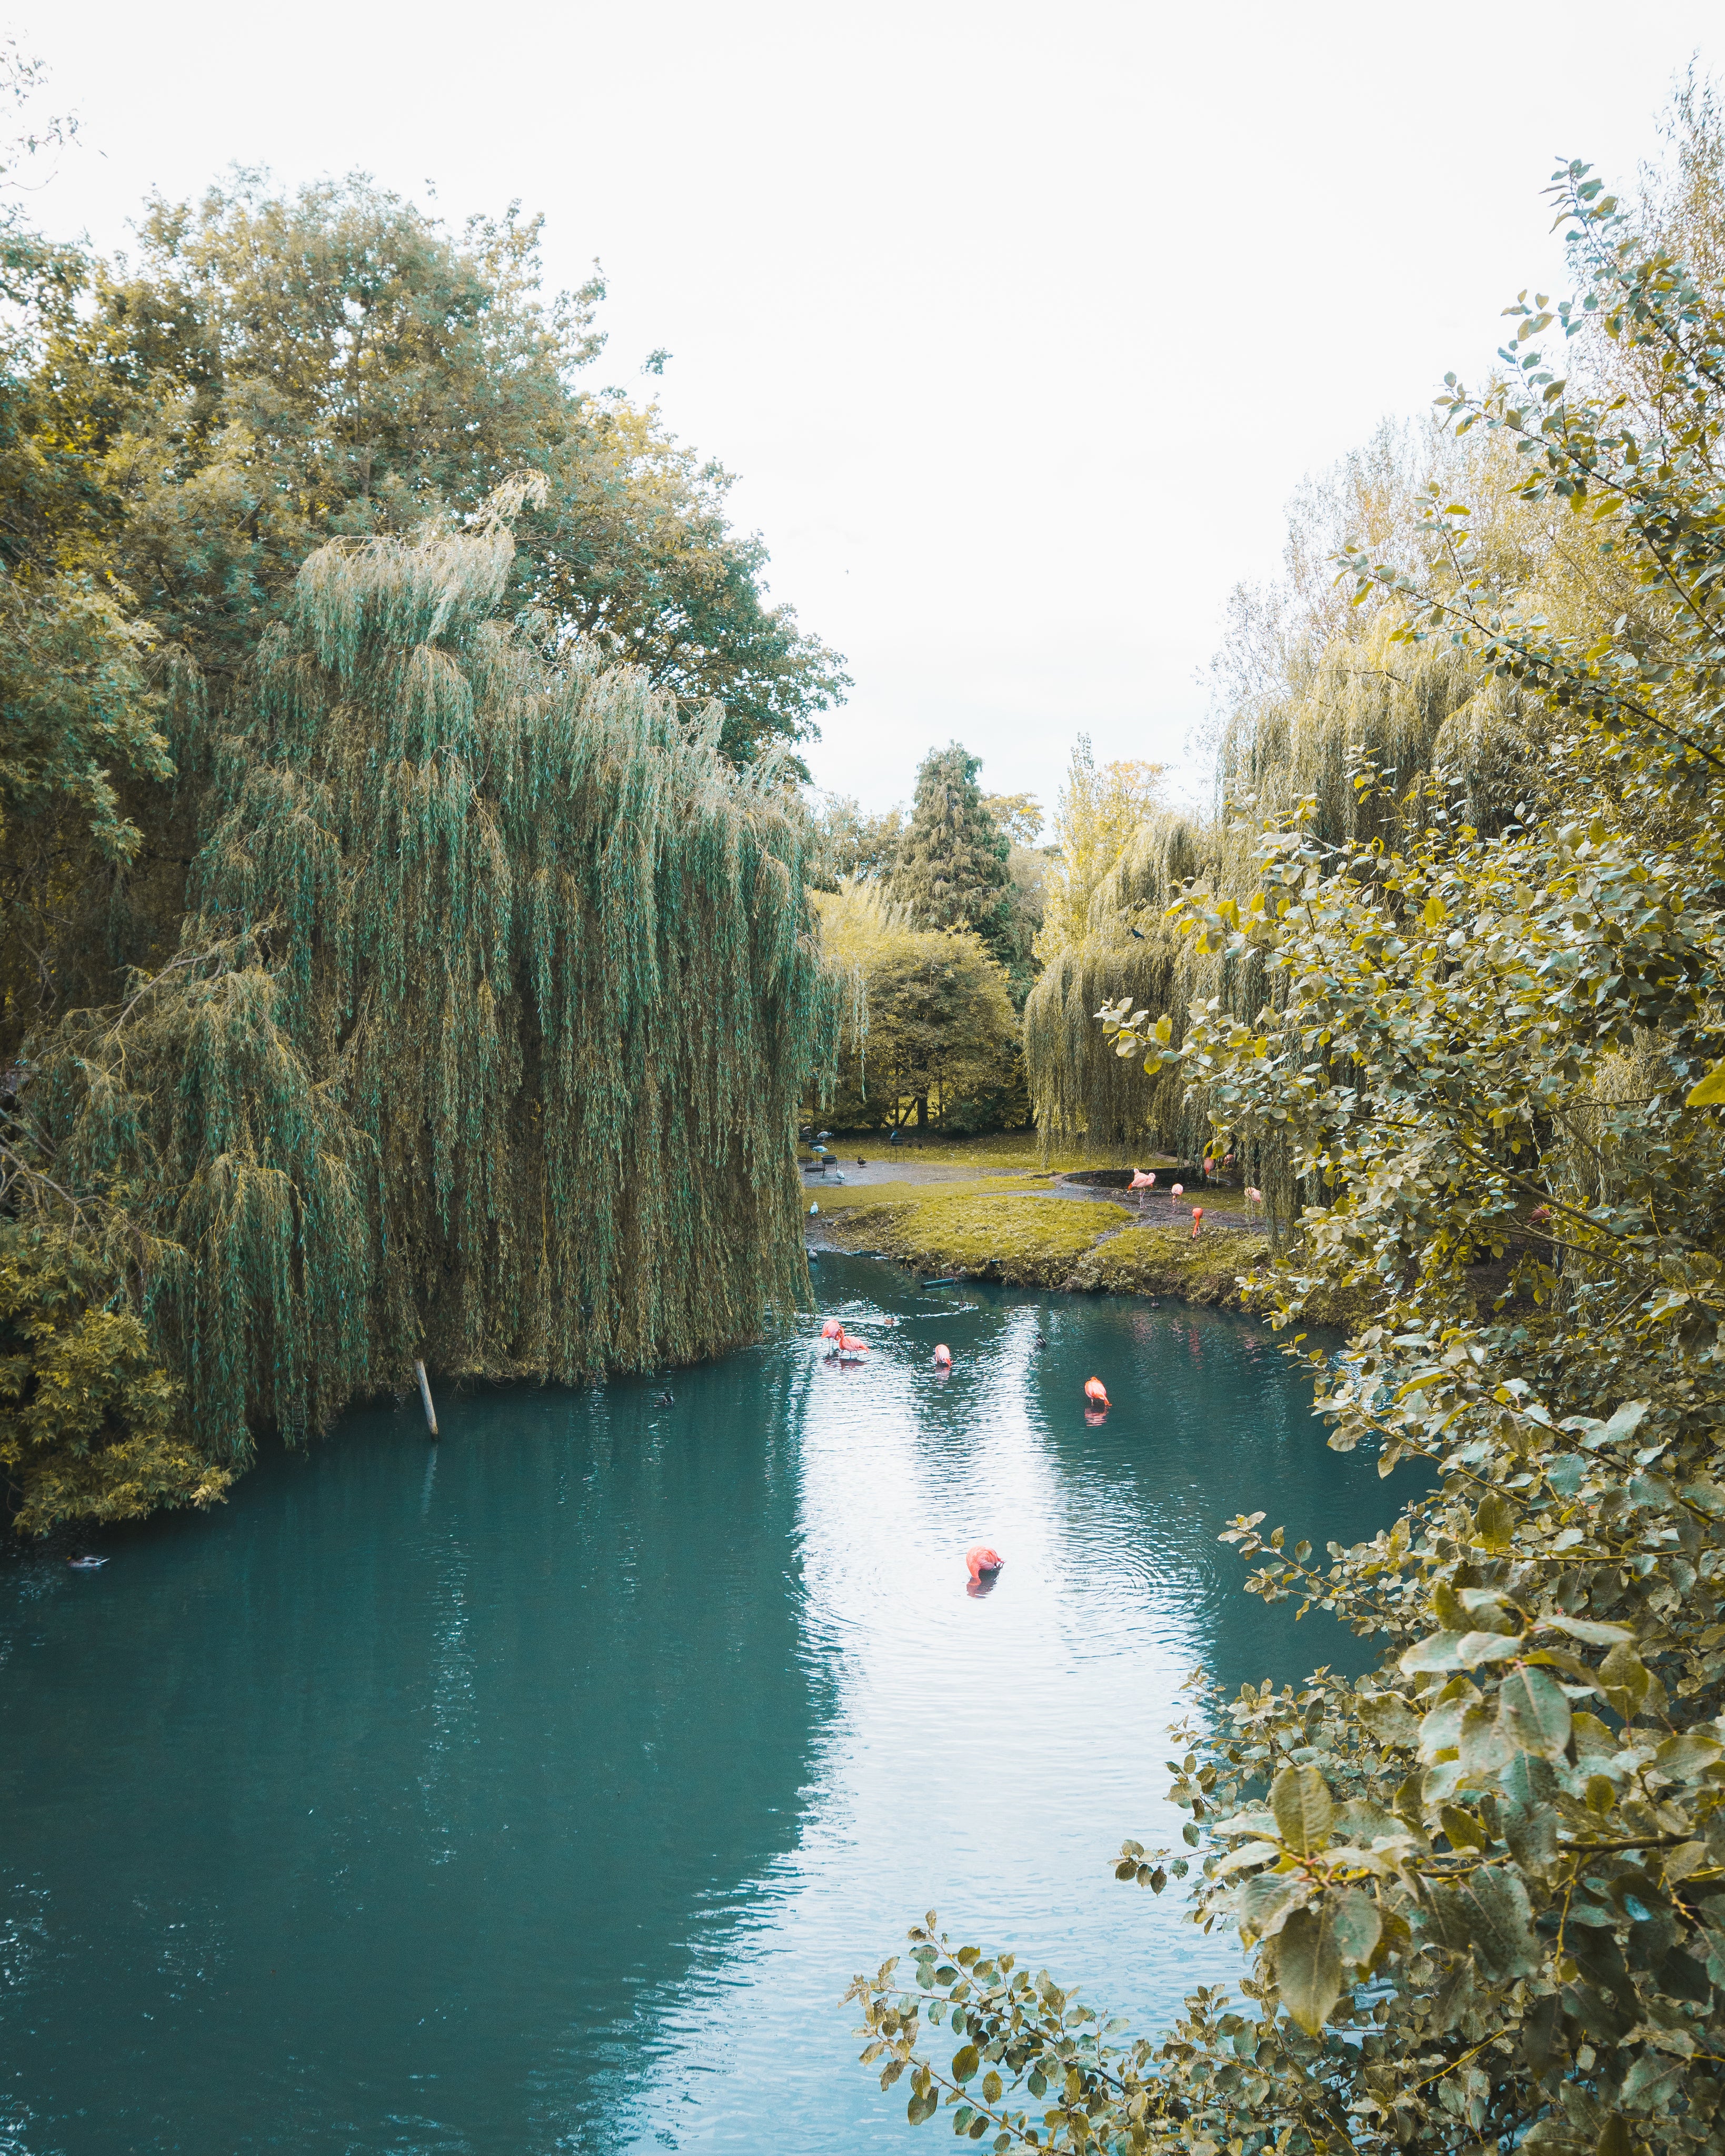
[[488, 1031], [1407, 713], [1482, 1889]]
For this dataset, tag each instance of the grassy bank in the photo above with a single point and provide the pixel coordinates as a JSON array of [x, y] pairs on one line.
[[1014, 1230], [1011, 1228], [1020, 1151]]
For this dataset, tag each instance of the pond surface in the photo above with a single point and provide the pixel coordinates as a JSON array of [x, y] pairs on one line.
[[542, 1789]]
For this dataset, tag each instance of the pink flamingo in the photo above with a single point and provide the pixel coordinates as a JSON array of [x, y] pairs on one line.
[[1252, 1197], [1140, 1182], [1196, 1220], [847, 1346], [1097, 1392], [981, 1560], [943, 1357], [1178, 1192], [834, 1329]]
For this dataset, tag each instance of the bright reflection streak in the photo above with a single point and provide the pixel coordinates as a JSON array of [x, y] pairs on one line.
[[988, 1753]]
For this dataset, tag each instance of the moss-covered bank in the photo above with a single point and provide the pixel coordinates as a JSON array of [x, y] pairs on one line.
[[1017, 1229]]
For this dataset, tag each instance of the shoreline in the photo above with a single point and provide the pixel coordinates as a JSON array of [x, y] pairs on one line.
[[991, 1217]]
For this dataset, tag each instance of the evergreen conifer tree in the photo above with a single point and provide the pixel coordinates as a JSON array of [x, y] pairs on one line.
[[951, 869]]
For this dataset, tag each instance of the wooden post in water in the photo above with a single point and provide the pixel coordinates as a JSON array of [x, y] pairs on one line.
[[425, 1395]]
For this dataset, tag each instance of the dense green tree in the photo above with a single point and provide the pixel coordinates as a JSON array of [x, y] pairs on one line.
[[77, 719], [346, 1045], [405, 1088], [950, 868], [851, 843], [275, 371], [1483, 1888], [933, 1036]]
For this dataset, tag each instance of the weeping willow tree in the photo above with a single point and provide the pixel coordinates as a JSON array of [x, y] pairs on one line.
[[487, 1031], [1364, 698]]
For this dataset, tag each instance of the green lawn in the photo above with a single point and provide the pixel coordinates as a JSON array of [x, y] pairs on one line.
[[1018, 1149]]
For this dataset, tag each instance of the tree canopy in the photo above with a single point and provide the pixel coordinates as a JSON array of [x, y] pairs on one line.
[[950, 865], [1483, 1888], [933, 1037], [1099, 810], [362, 1039], [276, 370]]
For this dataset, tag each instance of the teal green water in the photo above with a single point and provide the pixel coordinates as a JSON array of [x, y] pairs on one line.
[[542, 1789]]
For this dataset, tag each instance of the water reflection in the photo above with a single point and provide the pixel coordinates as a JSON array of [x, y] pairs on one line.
[[988, 1754], [542, 1790]]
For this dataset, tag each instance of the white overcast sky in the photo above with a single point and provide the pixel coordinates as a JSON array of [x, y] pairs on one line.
[[1018, 323]]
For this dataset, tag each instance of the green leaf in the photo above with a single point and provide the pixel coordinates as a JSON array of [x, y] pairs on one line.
[[1652, 2083], [1438, 1651], [1533, 1713], [1307, 1965], [1686, 1759], [1248, 1854], [1262, 1905], [1464, 1829], [1529, 1811], [1474, 1648], [965, 2062], [1299, 1798], [1710, 1093], [1489, 1911], [1389, 1717], [1584, 1629], [1354, 1924], [1624, 1677], [1496, 1521]]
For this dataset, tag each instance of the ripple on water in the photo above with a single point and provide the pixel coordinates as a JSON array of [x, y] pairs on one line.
[[544, 1790]]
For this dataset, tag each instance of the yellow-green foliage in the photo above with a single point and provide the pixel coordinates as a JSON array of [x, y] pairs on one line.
[[929, 1025], [1030, 1240], [486, 1041], [89, 1425], [1408, 710], [1159, 1260], [1017, 1150], [1097, 815]]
